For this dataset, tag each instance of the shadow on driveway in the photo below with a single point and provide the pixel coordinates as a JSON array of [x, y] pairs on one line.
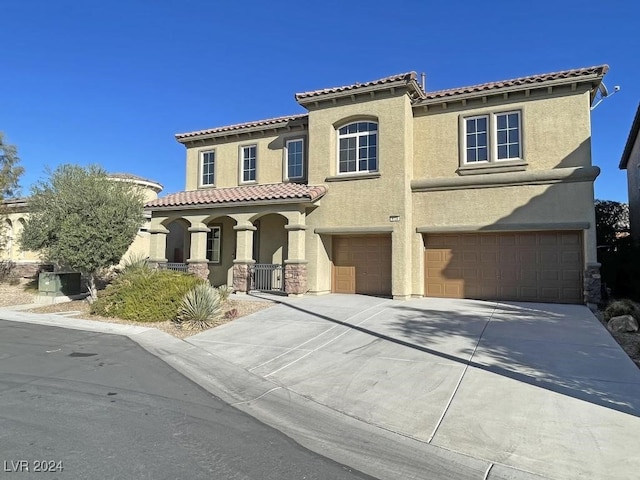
[[562, 348]]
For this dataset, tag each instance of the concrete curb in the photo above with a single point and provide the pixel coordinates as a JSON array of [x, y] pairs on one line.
[[371, 449]]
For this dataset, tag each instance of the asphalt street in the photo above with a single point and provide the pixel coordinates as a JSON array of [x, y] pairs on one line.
[[76, 404]]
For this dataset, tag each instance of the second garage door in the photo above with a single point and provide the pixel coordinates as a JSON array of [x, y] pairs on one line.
[[523, 266], [362, 264]]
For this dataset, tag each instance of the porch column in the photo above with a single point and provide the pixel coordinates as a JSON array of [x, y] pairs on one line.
[[197, 262], [158, 245], [295, 267], [244, 256]]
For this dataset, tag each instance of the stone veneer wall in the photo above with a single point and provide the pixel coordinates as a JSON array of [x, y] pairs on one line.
[[241, 277], [199, 269], [592, 285], [295, 278]]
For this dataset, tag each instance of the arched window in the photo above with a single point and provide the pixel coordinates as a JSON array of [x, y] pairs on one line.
[[358, 147]]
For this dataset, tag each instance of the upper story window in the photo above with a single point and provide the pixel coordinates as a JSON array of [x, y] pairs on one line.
[[358, 147], [248, 158], [207, 167], [213, 244], [492, 137], [295, 158]]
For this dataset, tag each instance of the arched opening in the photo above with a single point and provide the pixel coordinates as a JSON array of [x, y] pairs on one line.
[[221, 250], [178, 241], [270, 250]]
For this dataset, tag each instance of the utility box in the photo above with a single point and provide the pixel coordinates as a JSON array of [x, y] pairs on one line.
[[57, 284]]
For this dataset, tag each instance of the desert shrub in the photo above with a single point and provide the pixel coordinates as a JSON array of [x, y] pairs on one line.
[[200, 308], [6, 269], [145, 295], [224, 291], [622, 307]]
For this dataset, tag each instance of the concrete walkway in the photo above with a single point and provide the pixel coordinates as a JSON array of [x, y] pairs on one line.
[[538, 387]]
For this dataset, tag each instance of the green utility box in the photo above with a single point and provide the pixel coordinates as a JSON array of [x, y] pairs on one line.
[[57, 284]]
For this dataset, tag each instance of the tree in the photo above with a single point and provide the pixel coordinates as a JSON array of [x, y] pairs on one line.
[[10, 173], [612, 218], [81, 219]]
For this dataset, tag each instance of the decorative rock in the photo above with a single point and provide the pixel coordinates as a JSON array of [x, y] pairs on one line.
[[623, 323]]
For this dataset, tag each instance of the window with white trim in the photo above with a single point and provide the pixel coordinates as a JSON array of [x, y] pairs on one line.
[[208, 168], [248, 158], [295, 158], [492, 138], [214, 237], [358, 148]]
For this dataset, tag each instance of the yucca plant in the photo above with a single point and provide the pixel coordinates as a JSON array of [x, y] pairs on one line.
[[224, 291], [200, 308]]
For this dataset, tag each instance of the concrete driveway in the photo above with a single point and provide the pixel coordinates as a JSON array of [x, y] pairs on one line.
[[539, 387]]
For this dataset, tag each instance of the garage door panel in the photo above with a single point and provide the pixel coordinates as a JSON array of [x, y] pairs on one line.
[[526, 266], [362, 264]]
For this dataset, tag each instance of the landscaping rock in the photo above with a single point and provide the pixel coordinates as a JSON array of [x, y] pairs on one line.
[[623, 323]]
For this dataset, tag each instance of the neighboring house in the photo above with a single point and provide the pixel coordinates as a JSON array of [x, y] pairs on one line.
[[631, 163], [29, 263], [385, 189]]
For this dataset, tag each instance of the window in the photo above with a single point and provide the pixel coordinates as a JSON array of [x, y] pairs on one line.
[[358, 147], [493, 137], [295, 158], [248, 163], [208, 164], [213, 244]]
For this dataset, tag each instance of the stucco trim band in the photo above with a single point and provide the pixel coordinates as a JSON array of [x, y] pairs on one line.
[[353, 230], [508, 179], [352, 176], [510, 227]]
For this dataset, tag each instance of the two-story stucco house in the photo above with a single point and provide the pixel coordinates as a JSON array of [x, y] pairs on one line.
[[382, 188]]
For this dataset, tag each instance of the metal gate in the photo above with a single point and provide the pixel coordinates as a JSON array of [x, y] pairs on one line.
[[267, 277]]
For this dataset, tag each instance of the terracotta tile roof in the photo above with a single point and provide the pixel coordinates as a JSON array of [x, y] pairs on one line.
[[235, 195], [270, 122], [631, 140], [517, 82], [402, 78]]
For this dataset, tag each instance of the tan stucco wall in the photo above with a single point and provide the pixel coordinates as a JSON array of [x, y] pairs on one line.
[[361, 202], [269, 161], [633, 184], [555, 132], [272, 244], [221, 273]]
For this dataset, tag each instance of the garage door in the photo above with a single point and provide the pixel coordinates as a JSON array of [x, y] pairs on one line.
[[362, 264], [525, 266]]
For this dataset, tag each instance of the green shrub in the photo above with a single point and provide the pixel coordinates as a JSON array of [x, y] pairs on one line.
[[224, 291], [200, 308], [145, 295], [622, 307]]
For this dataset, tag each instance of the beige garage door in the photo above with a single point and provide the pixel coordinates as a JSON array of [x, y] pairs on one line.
[[525, 266], [362, 264]]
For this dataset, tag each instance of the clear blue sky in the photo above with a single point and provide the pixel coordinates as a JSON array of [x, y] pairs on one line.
[[111, 82]]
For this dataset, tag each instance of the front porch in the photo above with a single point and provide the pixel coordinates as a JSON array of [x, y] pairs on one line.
[[260, 250]]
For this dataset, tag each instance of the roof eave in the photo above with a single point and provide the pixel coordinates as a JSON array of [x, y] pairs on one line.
[[241, 203], [596, 77], [185, 138], [363, 90], [631, 140]]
